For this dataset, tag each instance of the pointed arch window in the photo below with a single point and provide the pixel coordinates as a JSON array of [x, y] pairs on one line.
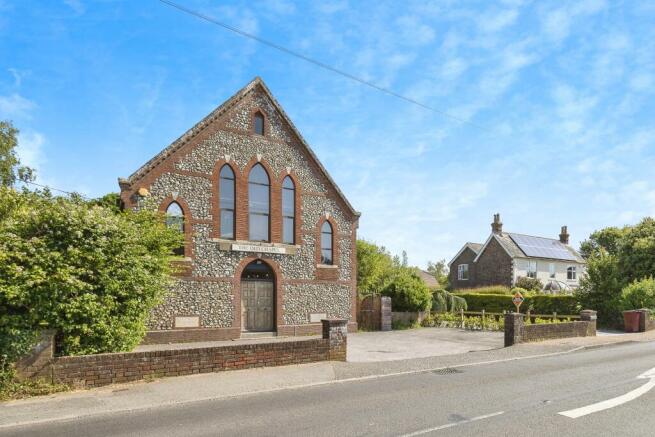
[[226, 187], [259, 123], [175, 220], [326, 244], [259, 204], [288, 211]]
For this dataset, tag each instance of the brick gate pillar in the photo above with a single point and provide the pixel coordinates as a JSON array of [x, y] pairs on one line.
[[335, 331], [513, 328], [589, 316]]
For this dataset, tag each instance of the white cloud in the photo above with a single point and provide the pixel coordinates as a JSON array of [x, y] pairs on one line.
[[76, 5], [557, 22], [498, 21], [15, 106], [30, 149]]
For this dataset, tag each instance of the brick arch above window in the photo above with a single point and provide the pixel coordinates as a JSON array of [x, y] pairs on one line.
[[215, 197], [254, 114], [188, 221], [297, 206], [275, 203], [335, 240]]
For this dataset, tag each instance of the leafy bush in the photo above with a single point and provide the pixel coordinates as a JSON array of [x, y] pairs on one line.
[[88, 272], [530, 284], [539, 304], [548, 304], [443, 301], [454, 320], [492, 289], [616, 259], [600, 289], [523, 291], [407, 291], [639, 294]]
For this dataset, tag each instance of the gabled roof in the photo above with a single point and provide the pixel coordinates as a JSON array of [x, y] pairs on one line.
[[219, 111], [428, 279], [475, 247], [514, 250]]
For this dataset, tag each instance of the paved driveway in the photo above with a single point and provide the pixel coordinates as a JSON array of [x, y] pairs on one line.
[[418, 343]]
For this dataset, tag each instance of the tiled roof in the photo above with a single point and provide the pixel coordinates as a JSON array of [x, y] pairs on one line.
[[429, 280], [475, 247], [515, 251]]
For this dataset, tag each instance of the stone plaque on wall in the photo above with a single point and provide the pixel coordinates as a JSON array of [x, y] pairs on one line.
[[257, 248], [187, 322], [317, 317]]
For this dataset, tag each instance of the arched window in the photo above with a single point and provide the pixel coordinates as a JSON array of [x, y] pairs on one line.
[[326, 243], [288, 211], [259, 123], [226, 190], [175, 220], [259, 211]]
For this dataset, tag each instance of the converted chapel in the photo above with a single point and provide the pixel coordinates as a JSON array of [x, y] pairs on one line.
[[269, 236]]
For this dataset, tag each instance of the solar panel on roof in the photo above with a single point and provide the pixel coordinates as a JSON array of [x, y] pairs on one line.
[[542, 247]]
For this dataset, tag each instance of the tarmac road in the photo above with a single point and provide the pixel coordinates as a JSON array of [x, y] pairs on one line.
[[513, 398]]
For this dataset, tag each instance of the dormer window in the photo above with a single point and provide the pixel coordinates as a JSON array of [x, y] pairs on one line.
[[259, 123]]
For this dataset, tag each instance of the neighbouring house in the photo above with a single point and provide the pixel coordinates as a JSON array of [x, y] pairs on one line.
[[428, 279], [269, 237], [507, 256]]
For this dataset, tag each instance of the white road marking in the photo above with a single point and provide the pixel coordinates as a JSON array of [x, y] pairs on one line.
[[615, 402], [450, 425]]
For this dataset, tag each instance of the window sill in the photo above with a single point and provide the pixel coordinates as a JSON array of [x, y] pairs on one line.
[[326, 266]]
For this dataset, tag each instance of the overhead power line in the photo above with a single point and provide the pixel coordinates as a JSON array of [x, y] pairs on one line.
[[70, 193], [318, 63]]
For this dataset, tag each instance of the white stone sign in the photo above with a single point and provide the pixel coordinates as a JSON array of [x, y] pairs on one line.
[[317, 317], [258, 249], [187, 322]]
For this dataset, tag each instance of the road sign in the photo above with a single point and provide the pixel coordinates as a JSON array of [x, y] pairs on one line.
[[517, 300]]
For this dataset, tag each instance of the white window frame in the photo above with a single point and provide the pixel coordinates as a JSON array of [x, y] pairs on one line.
[[572, 273], [532, 273], [551, 270], [461, 269]]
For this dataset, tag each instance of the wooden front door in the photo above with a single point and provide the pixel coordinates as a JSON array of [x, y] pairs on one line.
[[257, 305]]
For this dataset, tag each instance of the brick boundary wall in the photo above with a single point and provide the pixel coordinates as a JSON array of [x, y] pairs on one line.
[[645, 322], [88, 371], [516, 331]]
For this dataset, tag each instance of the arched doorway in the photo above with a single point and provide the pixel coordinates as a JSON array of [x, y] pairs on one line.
[[258, 298]]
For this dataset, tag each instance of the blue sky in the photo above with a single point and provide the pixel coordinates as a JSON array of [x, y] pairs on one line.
[[563, 91]]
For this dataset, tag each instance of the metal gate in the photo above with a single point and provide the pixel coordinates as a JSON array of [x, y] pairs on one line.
[[257, 305]]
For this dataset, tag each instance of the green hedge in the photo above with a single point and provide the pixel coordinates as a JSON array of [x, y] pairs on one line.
[[538, 304], [492, 289]]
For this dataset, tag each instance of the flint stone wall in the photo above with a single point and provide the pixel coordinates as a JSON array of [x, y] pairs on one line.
[[280, 149]]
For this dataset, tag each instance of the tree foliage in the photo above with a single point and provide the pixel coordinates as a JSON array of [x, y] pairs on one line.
[[606, 238], [616, 258], [10, 168], [91, 274], [439, 270], [600, 289], [640, 294], [407, 291], [374, 267]]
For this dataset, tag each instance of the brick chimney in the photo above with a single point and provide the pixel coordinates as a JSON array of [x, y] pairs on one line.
[[497, 225], [564, 236]]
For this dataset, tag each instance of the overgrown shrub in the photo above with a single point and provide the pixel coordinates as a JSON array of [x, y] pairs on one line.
[[639, 294], [407, 291], [600, 289], [443, 301], [530, 284], [90, 273]]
